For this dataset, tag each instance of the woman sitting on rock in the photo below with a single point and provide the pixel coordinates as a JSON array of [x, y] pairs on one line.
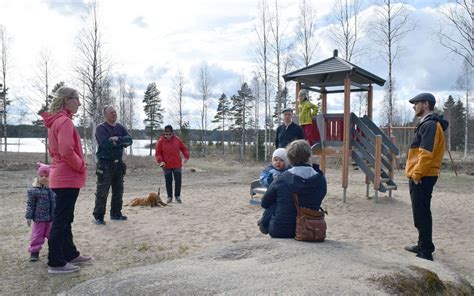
[[306, 180]]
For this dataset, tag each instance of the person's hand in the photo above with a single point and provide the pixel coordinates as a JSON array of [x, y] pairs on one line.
[[28, 222], [162, 164], [185, 161], [114, 139]]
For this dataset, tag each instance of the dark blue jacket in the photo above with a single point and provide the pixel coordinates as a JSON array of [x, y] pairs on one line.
[[108, 149], [285, 135], [40, 204], [310, 189]]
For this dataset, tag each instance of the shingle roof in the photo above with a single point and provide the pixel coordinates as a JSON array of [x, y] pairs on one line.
[[331, 72]]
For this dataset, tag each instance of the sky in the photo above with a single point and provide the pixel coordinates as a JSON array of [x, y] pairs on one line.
[[149, 40]]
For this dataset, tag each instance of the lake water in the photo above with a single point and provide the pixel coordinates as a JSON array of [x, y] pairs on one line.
[[37, 145]]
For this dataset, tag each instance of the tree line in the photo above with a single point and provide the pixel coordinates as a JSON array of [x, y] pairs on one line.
[[257, 104]]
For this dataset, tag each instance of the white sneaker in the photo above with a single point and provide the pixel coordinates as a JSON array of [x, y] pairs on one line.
[[68, 268]]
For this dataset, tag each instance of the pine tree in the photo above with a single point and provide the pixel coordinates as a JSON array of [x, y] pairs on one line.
[[241, 112], [222, 114], [45, 106], [153, 111], [457, 128]]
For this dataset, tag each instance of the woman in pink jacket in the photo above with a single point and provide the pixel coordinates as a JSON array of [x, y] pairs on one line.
[[167, 154], [67, 176]]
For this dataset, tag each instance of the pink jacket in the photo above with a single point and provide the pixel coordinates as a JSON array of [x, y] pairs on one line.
[[68, 168], [167, 150]]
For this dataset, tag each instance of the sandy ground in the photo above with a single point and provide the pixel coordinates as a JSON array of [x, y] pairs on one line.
[[216, 212]]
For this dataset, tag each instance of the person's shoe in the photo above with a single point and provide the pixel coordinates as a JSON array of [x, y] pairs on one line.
[[413, 249], [34, 256], [68, 268], [178, 199], [119, 218], [262, 228], [99, 222], [169, 200], [426, 256], [81, 260]]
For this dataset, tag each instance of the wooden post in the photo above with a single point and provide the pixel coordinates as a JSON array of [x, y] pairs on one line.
[[369, 101], [347, 135], [324, 98], [369, 114], [394, 163], [297, 88], [378, 165]]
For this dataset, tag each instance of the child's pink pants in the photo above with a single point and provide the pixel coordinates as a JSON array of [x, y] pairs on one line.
[[39, 231]]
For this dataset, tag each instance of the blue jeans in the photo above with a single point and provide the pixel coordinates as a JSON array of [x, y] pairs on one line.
[[169, 174], [60, 242], [109, 174]]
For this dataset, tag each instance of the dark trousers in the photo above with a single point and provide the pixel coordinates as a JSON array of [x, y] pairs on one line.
[[267, 216], [169, 174], [60, 242], [109, 174], [420, 195]]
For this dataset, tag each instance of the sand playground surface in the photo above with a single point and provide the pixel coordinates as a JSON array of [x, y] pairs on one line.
[[216, 213]]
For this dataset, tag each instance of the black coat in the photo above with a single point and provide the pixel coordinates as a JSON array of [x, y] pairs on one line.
[[311, 192]]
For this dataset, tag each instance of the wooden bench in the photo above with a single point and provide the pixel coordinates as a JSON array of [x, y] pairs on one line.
[[256, 192]]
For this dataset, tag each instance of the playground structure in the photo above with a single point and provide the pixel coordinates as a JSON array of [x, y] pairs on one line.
[[347, 135]]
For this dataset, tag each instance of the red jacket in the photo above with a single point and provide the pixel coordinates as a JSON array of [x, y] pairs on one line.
[[167, 150], [68, 168]]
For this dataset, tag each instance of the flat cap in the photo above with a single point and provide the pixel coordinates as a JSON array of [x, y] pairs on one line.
[[286, 110], [423, 97]]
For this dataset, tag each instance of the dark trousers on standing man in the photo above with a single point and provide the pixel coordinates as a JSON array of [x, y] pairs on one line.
[[420, 195], [109, 174], [60, 242], [169, 174]]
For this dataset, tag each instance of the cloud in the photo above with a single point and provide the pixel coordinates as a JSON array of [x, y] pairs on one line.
[[67, 7], [140, 22]]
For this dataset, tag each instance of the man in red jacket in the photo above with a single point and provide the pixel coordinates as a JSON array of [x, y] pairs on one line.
[[168, 157]]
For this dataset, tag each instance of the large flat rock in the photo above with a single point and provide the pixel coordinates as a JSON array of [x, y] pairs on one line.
[[277, 266]]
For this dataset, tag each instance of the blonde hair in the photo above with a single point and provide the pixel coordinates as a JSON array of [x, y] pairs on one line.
[[60, 96]]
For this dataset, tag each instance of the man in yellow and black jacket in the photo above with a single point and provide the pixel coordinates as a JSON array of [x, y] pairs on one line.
[[422, 169]]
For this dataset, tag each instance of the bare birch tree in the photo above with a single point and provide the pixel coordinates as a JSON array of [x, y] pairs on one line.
[[305, 32], [262, 30], [130, 101], [456, 31], [178, 88], [4, 66], [345, 32], [93, 68], [44, 76], [464, 84], [204, 86], [391, 24]]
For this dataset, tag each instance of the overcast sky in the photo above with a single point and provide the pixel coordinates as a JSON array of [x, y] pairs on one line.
[[149, 40]]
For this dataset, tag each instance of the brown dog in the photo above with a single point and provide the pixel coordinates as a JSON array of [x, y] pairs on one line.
[[153, 200]]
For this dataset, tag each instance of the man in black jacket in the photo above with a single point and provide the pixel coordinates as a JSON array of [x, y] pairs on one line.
[[288, 131], [111, 138]]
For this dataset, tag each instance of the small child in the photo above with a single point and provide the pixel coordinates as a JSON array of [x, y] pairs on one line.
[[39, 208], [279, 165]]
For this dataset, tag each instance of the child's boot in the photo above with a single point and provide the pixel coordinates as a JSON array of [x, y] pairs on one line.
[[34, 256]]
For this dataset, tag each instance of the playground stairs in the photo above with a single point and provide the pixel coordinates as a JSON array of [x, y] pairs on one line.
[[373, 152]]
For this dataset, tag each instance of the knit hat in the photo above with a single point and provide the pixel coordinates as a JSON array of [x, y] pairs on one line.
[[43, 168], [281, 153]]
